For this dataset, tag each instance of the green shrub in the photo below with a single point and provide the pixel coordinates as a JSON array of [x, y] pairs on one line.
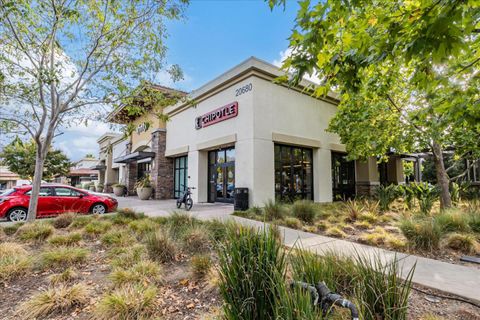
[[65, 240], [453, 221], [12, 228], [386, 196], [62, 257], [35, 231], [64, 220], [143, 272], [293, 223], [160, 246], [81, 221], [97, 227], [426, 195], [200, 265], [56, 299], [127, 302], [423, 234], [465, 243], [117, 238], [304, 210], [249, 262], [273, 210], [14, 261], [408, 195]]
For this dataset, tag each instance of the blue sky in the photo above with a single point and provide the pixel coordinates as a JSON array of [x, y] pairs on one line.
[[215, 36]]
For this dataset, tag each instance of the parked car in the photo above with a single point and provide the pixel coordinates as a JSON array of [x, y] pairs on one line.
[[53, 200]]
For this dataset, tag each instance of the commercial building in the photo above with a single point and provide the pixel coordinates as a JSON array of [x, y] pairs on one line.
[[111, 146], [245, 130]]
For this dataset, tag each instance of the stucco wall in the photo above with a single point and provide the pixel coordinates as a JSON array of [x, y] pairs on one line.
[[267, 109], [145, 138]]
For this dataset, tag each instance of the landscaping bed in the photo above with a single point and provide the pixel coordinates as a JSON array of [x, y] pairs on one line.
[[445, 236], [128, 266]]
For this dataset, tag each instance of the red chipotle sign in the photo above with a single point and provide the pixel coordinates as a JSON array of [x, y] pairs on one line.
[[226, 112]]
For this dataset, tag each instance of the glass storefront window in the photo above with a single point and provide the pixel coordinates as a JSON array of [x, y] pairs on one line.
[[343, 177], [221, 168], [180, 176], [293, 173]]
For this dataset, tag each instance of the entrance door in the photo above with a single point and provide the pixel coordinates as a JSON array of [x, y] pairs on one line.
[[343, 177], [221, 174]]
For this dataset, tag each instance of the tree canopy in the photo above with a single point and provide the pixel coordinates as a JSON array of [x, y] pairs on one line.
[[19, 157], [406, 73]]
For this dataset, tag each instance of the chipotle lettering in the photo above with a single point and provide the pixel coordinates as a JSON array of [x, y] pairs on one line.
[[223, 113]]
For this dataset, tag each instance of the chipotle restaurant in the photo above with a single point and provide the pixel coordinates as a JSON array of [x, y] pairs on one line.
[[246, 131]]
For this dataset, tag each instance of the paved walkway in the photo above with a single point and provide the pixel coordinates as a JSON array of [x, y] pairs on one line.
[[456, 279]]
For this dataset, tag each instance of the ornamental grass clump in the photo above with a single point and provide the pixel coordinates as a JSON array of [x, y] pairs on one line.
[[58, 299], [200, 265], [474, 221], [125, 257], [249, 263], [196, 239], [62, 257], [81, 221], [142, 226], [127, 302], [36, 231], [64, 220], [11, 229], [117, 237], [14, 261], [273, 210], [143, 272], [97, 227], [465, 243], [453, 221], [161, 246], [70, 239], [304, 210], [422, 234]]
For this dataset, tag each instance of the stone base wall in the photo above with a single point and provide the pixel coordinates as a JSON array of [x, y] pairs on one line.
[[162, 171], [366, 188]]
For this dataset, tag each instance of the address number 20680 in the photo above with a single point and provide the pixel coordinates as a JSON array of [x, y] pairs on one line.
[[242, 90]]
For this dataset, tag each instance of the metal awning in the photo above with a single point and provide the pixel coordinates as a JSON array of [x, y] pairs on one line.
[[134, 156]]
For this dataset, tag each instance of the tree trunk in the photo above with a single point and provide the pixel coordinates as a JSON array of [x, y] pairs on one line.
[[37, 181], [442, 177]]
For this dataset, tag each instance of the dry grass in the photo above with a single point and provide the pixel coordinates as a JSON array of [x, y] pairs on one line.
[[65, 240], [128, 302], [64, 220], [118, 237], [160, 246], [11, 229], [293, 223], [59, 299], [335, 232], [14, 261], [67, 276], [62, 257], [35, 231], [143, 272], [125, 257], [200, 265], [465, 243], [97, 227], [196, 239]]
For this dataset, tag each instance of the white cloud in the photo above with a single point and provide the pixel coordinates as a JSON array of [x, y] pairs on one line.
[[284, 55]]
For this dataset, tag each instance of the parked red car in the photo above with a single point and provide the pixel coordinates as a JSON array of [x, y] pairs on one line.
[[53, 200]]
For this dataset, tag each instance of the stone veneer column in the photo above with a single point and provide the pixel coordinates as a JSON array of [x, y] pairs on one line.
[[162, 169], [130, 173]]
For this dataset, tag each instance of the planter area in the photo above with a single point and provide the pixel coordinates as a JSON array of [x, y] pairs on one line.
[[444, 235], [128, 266]]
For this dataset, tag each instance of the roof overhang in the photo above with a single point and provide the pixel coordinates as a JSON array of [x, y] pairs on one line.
[[99, 167], [134, 156]]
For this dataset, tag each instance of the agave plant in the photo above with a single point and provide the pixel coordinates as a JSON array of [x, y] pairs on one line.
[[386, 195]]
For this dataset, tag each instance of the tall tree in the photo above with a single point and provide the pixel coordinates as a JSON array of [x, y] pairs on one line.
[[60, 57], [407, 74], [19, 157]]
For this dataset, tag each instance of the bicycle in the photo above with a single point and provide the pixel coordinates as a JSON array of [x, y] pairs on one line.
[[325, 299], [186, 198]]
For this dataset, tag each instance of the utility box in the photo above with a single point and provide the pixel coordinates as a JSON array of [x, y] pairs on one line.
[[241, 199]]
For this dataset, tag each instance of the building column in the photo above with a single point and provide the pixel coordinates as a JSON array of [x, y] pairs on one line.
[[162, 167], [366, 176], [130, 173]]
